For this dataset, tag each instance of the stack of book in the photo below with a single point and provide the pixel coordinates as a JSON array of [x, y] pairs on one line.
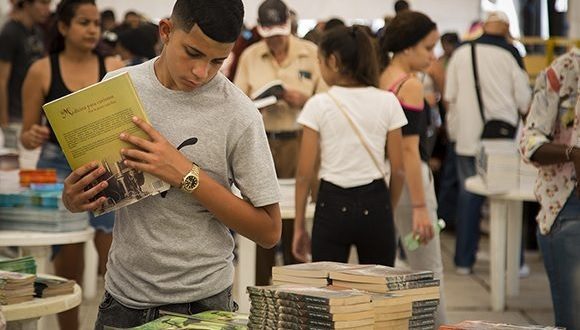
[[15, 287], [38, 207], [210, 320], [421, 288], [314, 273], [392, 311], [47, 175], [26, 265], [45, 287], [307, 307], [498, 165]]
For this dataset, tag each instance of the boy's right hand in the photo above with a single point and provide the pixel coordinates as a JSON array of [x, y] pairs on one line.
[[74, 196]]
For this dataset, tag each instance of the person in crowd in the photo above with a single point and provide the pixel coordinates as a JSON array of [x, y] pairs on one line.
[[135, 46], [280, 56], [132, 20], [247, 38], [108, 20], [333, 23], [71, 65], [401, 6], [504, 93], [315, 34], [175, 252], [549, 141], [448, 182], [350, 208], [21, 43], [406, 49]]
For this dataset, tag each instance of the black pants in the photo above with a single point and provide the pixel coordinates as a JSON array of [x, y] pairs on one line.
[[360, 216]]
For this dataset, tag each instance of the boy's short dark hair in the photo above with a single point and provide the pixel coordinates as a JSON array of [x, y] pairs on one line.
[[221, 20]]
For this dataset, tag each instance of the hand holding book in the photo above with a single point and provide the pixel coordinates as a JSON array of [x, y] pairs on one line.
[[155, 156]]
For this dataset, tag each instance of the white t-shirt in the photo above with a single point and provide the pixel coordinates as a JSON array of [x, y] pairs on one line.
[[344, 160], [504, 91]]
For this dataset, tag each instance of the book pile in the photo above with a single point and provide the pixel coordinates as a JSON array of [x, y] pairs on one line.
[[37, 176], [209, 320], [484, 325], [26, 265], [45, 287], [38, 208], [15, 287], [498, 165], [306, 307], [419, 287], [314, 273]]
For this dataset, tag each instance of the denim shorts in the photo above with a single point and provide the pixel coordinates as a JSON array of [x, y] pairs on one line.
[[113, 314], [52, 156]]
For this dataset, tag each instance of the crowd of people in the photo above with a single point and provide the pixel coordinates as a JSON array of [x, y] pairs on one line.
[[376, 130]]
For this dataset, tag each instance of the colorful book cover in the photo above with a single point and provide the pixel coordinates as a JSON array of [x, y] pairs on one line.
[[87, 124], [172, 322]]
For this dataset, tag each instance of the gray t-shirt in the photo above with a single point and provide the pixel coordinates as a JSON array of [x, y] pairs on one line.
[[171, 249]]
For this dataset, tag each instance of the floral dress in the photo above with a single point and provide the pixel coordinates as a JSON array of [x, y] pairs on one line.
[[554, 117]]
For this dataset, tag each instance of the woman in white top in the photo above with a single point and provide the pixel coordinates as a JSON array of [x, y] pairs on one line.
[[354, 205]]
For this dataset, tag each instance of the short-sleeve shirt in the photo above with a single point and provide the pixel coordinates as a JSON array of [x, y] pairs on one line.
[[171, 249], [20, 46], [299, 71], [344, 160]]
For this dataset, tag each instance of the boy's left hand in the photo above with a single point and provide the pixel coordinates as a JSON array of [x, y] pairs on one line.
[[157, 157]]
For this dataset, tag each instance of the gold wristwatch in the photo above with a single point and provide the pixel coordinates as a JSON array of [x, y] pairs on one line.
[[190, 181]]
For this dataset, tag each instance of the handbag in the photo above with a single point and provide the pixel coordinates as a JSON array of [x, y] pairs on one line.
[[493, 129], [361, 138]]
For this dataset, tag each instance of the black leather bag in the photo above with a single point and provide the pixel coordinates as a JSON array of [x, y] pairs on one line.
[[498, 129], [492, 129]]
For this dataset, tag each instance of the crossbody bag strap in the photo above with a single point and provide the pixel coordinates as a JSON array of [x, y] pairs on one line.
[[476, 79], [360, 136]]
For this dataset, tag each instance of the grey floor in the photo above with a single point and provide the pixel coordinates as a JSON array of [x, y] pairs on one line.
[[467, 296]]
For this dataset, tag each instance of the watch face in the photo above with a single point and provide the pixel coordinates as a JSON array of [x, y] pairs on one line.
[[190, 182]]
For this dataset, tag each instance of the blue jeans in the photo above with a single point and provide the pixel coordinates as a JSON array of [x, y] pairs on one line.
[[468, 215], [561, 251], [448, 188], [114, 314]]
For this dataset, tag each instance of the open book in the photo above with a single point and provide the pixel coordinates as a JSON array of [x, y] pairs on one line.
[[87, 124], [268, 94]]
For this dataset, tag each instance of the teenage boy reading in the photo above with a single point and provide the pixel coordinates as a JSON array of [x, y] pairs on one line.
[[175, 252]]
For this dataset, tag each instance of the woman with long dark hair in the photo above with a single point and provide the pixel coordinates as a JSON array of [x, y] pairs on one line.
[[406, 49], [71, 65], [350, 127]]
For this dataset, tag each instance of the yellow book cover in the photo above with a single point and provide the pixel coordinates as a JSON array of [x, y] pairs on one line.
[[87, 124]]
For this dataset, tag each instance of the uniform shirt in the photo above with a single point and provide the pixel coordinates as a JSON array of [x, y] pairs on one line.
[[171, 249], [344, 160], [554, 117], [504, 89], [299, 71]]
